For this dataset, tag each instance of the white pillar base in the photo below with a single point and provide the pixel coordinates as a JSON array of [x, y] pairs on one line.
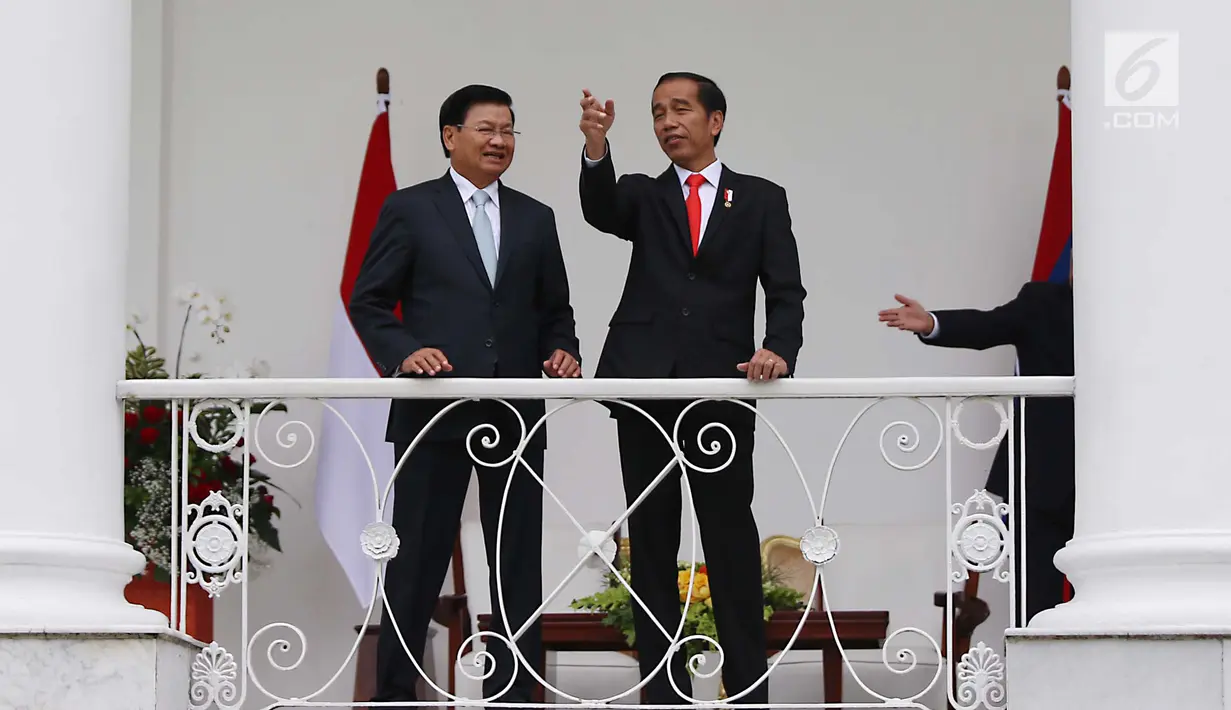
[[1152, 582], [71, 583], [1074, 672], [96, 671]]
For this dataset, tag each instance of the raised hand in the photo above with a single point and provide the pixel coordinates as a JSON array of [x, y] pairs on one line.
[[909, 316], [596, 120]]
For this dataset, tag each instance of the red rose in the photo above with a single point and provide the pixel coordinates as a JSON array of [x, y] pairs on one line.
[[251, 459], [148, 435], [197, 492], [239, 443], [131, 420], [227, 462], [269, 500], [126, 462], [153, 413]]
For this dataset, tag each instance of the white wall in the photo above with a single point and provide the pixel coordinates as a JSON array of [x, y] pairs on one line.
[[914, 142]]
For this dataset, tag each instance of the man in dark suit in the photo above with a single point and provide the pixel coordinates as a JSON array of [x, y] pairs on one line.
[[478, 271], [1039, 324], [702, 235]]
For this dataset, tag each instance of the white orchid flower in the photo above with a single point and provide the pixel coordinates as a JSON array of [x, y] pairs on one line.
[[189, 295]]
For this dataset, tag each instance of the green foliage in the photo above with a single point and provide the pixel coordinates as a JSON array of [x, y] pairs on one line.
[[143, 363], [615, 601]]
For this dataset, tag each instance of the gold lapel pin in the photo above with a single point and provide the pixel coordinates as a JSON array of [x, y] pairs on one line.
[[730, 194]]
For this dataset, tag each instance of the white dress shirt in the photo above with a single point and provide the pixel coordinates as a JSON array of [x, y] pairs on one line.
[[708, 190], [467, 190]]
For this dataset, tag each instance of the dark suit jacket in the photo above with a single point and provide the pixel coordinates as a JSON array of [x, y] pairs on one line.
[[1039, 323], [423, 254], [689, 316]]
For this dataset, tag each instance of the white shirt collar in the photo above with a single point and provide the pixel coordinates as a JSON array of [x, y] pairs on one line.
[[711, 172], [467, 188]]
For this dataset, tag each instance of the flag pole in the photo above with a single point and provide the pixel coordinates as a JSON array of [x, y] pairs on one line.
[[382, 81], [354, 462]]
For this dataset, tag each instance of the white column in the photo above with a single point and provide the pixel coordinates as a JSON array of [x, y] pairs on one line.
[[65, 69], [1151, 556], [1152, 285]]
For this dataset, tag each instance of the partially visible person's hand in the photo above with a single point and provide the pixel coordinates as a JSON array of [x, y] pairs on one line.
[[426, 361], [561, 364], [909, 316], [764, 365]]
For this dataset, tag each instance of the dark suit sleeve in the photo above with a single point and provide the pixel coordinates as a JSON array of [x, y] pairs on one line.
[[781, 280], [606, 203], [980, 330], [378, 289], [557, 327]]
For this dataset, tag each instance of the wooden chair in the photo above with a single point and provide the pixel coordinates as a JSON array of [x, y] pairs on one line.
[[968, 612]]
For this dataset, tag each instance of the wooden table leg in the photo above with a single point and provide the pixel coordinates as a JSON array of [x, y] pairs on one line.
[[539, 692], [831, 667]]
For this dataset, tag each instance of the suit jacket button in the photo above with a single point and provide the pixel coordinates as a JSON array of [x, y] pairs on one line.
[[684, 312], [488, 342]]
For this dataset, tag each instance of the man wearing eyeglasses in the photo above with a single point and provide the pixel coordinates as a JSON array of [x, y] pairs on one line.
[[477, 269]]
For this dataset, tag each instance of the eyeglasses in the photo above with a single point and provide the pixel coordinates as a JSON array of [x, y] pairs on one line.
[[489, 133]]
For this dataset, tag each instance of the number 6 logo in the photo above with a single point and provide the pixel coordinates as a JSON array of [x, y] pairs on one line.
[[1134, 63], [1141, 69]]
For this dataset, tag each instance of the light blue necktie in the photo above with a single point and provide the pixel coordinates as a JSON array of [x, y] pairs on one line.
[[483, 235]]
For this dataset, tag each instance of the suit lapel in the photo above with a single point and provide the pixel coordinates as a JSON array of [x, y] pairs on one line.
[[713, 227], [673, 200], [511, 235], [449, 202]]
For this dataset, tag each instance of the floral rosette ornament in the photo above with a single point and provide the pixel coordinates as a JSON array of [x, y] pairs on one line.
[[379, 541]]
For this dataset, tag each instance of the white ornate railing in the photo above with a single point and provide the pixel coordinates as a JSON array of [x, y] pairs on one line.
[[210, 548]]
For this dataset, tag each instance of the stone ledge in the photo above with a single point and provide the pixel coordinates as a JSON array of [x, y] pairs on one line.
[[1078, 672], [103, 670]]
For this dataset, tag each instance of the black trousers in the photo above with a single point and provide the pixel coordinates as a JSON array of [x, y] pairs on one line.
[[429, 494], [1047, 531], [723, 501]]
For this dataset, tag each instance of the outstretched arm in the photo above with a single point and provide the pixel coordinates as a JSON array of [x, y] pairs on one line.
[[959, 328]]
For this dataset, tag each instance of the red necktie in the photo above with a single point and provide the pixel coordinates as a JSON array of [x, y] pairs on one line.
[[693, 203]]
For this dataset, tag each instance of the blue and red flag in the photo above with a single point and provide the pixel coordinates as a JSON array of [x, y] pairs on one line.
[[1055, 249]]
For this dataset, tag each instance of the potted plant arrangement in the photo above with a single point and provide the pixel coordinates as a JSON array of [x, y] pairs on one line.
[[615, 601], [147, 471]]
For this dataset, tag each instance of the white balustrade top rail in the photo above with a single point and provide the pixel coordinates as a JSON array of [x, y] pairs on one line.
[[593, 388]]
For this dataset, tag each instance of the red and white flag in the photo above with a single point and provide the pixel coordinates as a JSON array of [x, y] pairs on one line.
[[345, 498]]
